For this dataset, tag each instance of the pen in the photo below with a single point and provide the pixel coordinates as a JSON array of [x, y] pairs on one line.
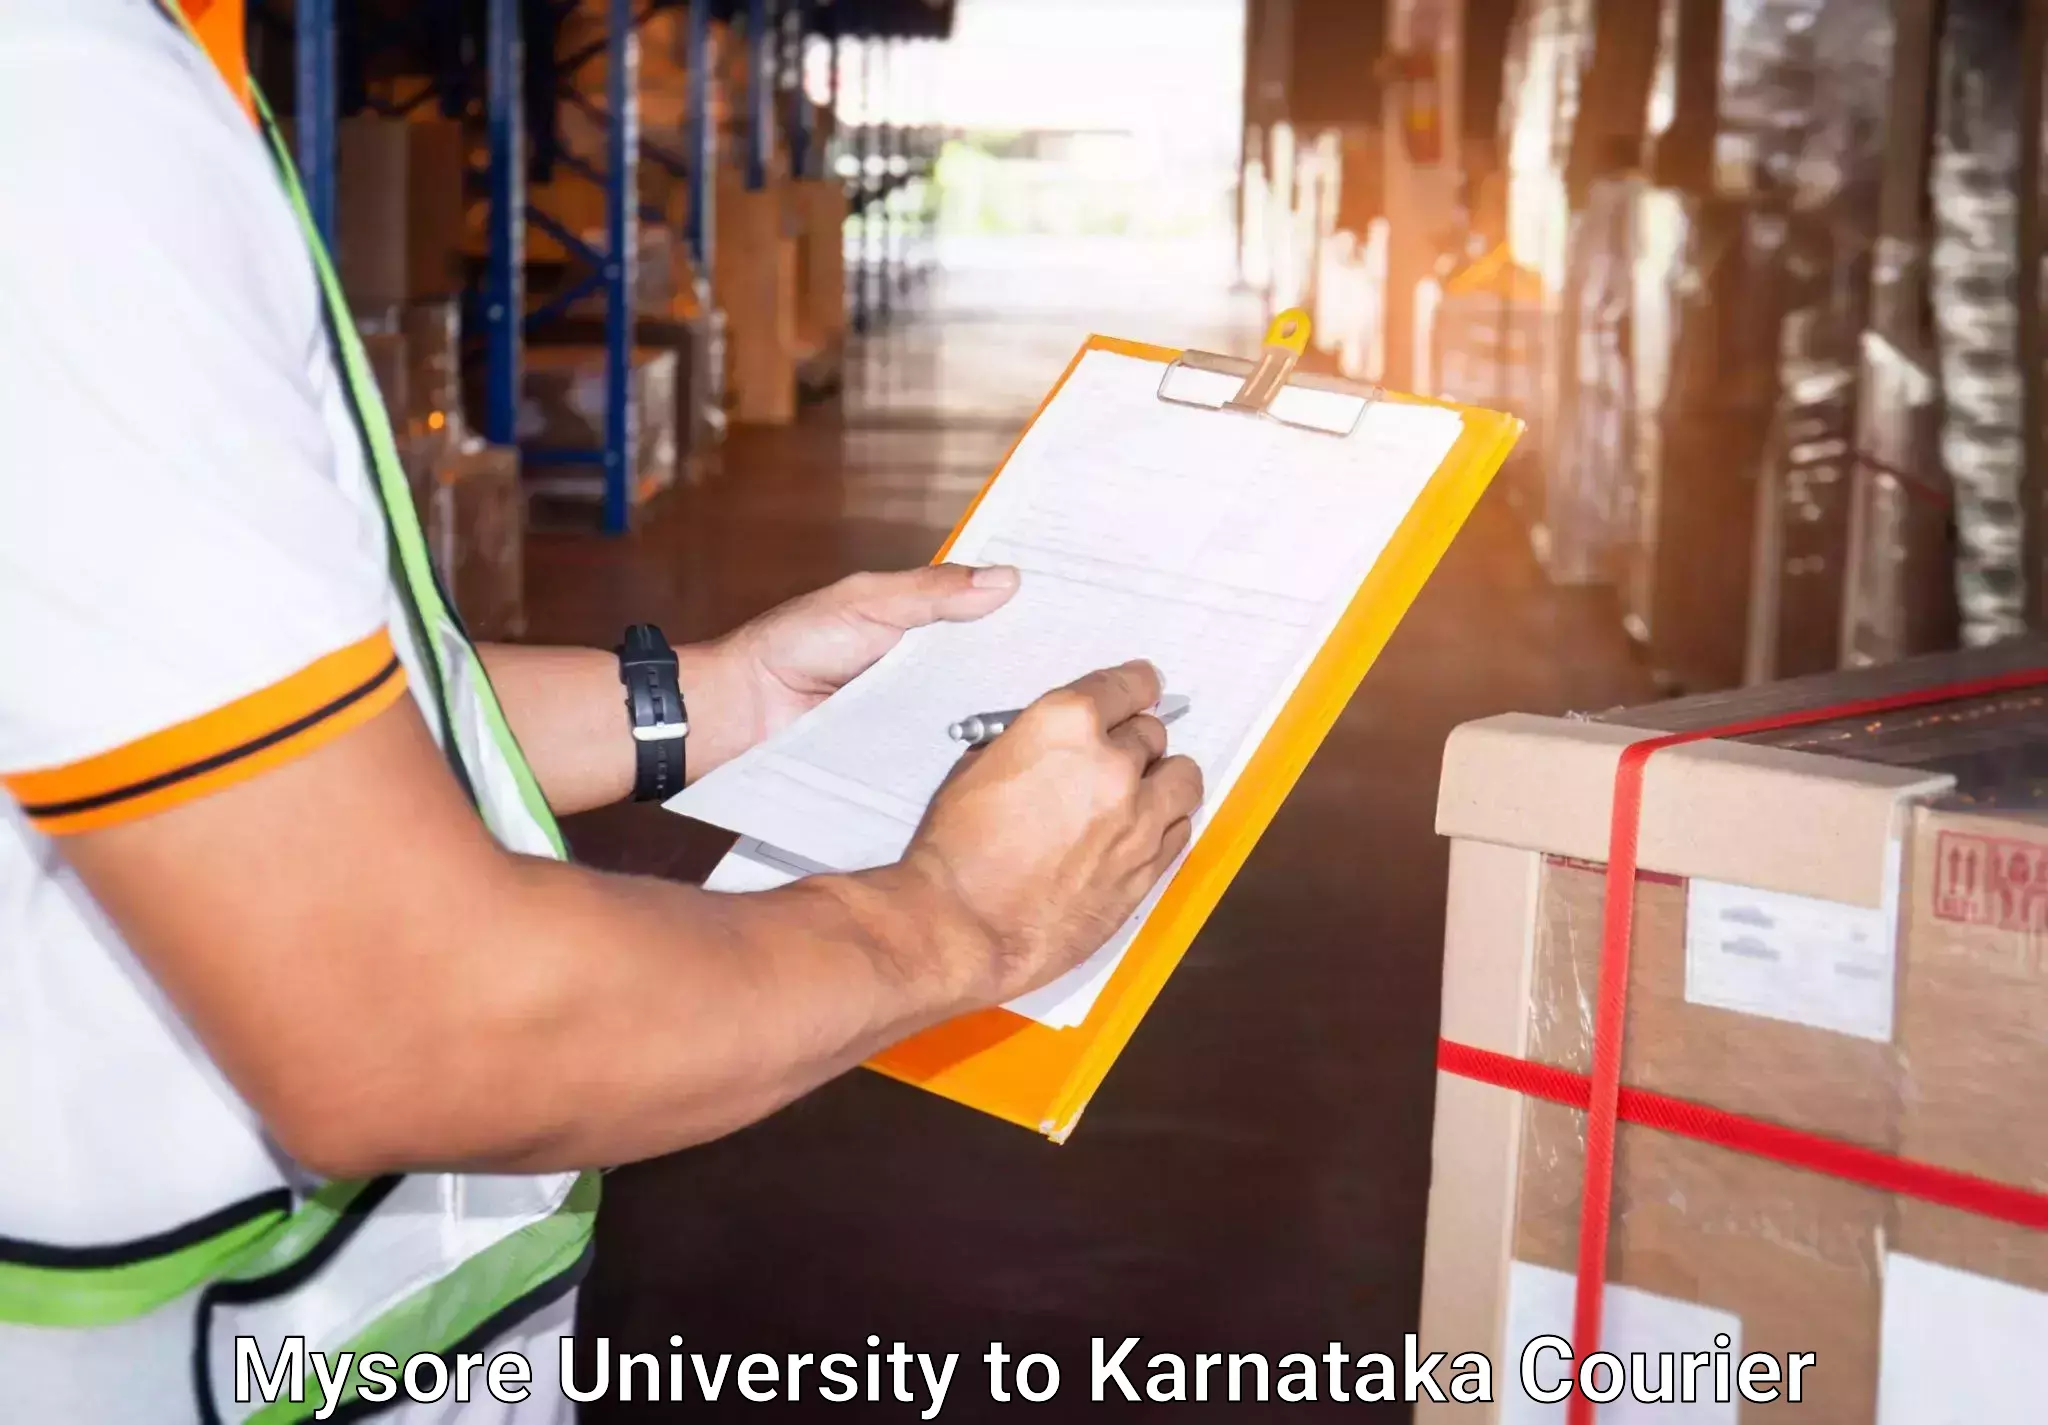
[[985, 727]]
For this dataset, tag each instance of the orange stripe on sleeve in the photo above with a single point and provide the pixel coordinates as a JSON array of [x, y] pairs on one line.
[[217, 749]]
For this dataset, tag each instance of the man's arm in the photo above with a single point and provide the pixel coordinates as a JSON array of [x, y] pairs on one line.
[[568, 709], [392, 990]]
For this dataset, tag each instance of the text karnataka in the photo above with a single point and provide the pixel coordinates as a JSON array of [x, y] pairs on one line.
[[1120, 1370]]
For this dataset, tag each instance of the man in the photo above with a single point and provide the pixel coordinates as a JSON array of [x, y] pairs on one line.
[[306, 1034]]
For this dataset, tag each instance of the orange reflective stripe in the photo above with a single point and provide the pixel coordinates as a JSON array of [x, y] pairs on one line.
[[217, 749], [220, 26]]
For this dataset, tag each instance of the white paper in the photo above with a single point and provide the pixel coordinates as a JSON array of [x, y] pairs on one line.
[[1960, 1349], [1222, 548], [1540, 1304], [1800, 959]]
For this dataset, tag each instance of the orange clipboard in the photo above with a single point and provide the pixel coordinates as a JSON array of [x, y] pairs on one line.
[[1042, 1078]]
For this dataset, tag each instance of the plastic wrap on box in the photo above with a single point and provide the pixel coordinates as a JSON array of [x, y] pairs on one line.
[[562, 408], [475, 522], [390, 366], [1899, 597], [1794, 1257], [1589, 508], [1482, 335], [433, 353], [1908, 1024], [1817, 83], [1974, 269]]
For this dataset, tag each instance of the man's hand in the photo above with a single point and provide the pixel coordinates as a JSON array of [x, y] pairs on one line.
[[569, 712], [1051, 835], [769, 672]]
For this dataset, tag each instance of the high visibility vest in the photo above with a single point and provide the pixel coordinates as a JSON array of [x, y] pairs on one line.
[[404, 1264]]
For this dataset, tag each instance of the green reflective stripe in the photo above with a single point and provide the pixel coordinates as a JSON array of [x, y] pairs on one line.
[[396, 494], [299, 1234], [449, 1313], [101, 1296]]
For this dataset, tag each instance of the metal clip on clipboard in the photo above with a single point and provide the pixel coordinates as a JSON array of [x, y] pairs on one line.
[[1269, 387]]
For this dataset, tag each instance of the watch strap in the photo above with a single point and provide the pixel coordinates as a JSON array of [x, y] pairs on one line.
[[659, 720]]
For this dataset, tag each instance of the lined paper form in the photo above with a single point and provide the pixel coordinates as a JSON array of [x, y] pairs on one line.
[[1220, 547]]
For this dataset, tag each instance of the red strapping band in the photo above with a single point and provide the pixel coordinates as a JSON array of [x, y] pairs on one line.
[[1602, 1095], [1983, 1197]]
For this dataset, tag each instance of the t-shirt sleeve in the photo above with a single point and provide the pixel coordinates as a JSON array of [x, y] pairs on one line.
[[187, 594]]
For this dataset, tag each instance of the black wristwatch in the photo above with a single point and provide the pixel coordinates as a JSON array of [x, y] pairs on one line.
[[654, 703]]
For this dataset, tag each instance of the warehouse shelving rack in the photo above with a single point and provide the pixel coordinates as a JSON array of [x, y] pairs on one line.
[[499, 307]]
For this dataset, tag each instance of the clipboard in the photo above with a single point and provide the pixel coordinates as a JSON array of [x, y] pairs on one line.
[[1040, 1077], [1043, 1078]]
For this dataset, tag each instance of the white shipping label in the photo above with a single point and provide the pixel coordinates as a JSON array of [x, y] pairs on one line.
[[1959, 1349], [1658, 1329], [1796, 958]]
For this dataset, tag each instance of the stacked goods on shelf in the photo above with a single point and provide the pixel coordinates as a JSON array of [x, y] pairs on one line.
[[1807, 87], [1827, 1143], [1975, 277], [1480, 332], [1752, 289], [1899, 595], [1705, 344], [398, 249], [562, 409], [1706, 315], [820, 213], [755, 277], [1589, 477], [660, 44], [1547, 49], [372, 228], [437, 209], [1587, 511], [474, 514]]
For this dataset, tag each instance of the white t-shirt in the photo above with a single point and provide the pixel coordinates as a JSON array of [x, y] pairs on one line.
[[194, 587]]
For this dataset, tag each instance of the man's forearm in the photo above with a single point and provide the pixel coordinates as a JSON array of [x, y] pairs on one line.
[[389, 988], [568, 710], [645, 1016]]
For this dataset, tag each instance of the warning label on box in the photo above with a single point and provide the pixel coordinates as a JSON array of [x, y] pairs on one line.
[[1989, 880]]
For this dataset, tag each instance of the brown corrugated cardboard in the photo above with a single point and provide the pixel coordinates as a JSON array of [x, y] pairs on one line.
[[562, 405], [1794, 1257], [437, 161], [1973, 1029], [756, 278], [473, 509], [370, 209], [1944, 1071]]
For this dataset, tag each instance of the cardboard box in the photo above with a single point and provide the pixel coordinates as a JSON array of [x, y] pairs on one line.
[[472, 512], [821, 267], [756, 280], [433, 365], [562, 404], [437, 161], [371, 224], [1973, 1028], [478, 536], [1833, 932]]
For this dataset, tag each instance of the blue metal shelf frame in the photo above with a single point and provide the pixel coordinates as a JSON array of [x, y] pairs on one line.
[[313, 62], [760, 93], [699, 162], [609, 264], [802, 121], [504, 290]]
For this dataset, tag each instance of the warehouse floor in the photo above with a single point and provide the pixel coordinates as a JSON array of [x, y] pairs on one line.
[[1252, 1176]]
